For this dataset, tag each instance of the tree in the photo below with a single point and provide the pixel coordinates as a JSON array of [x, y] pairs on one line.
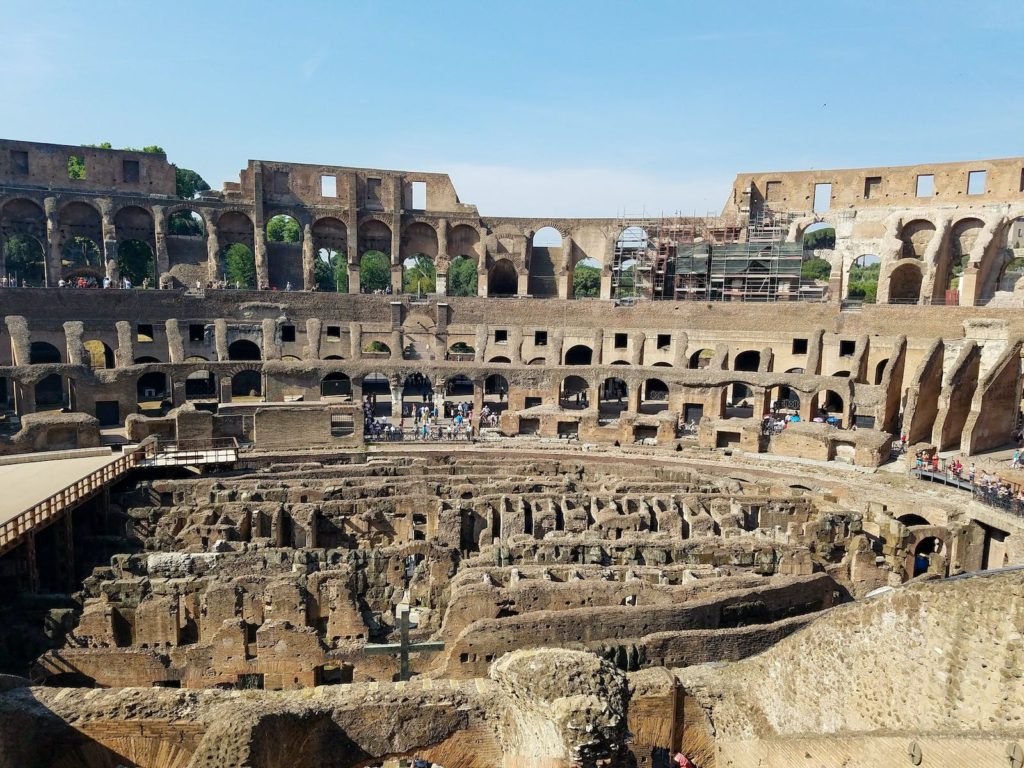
[[185, 223], [586, 281], [820, 238], [82, 252], [376, 346], [76, 167], [283, 229], [864, 281], [240, 266], [421, 277], [135, 261], [815, 269], [25, 259], [330, 271], [188, 184], [462, 277], [374, 272]]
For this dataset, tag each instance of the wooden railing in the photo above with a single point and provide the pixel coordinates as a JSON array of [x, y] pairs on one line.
[[12, 532]]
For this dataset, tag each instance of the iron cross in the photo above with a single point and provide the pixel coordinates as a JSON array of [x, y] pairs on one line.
[[403, 648]]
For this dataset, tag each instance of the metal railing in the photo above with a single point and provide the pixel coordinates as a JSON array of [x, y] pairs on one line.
[[999, 494], [197, 451], [41, 513]]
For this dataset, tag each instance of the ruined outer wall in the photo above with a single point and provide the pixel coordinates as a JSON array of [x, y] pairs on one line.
[[938, 661]]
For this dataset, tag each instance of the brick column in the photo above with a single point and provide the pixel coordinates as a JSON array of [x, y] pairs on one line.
[[308, 258], [53, 265], [260, 252], [160, 241], [212, 253], [109, 240]]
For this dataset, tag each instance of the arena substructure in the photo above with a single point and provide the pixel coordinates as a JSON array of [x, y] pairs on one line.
[[378, 527]]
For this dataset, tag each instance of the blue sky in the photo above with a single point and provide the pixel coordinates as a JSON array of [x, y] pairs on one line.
[[569, 108]]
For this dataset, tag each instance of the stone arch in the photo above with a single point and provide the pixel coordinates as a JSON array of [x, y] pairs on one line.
[[828, 403], [330, 244], [235, 227], [43, 353], [502, 279], [247, 382], [146, 359], [701, 358], [376, 348], [962, 238], [653, 396], [499, 359], [862, 277], [243, 349], [21, 216], [374, 235], [133, 222], [461, 348], [136, 261], [80, 219], [631, 248], [236, 235], [545, 260], [578, 354], [187, 247], [336, 385], [284, 250], [464, 240], [784, 399], [24, 259], [612, 397], [49, 393], [586, 279], [374, 272], [462, 276], [905, 283], [574, 393], [880, 370], [748, 361], [201, 385], [916, 236], [99, 355], [496, 392], [186, 221], [152, 387]]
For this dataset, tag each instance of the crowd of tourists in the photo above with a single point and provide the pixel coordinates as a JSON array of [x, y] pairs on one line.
[[985, 486], [427, 420]]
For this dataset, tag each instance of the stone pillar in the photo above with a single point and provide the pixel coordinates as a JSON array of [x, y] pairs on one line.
[[637, 339], [598, 345], [441, 284], [177, 393], [396, 344], [109, 240], [353, 278], [355, 337], [53, 265], [73, 332], [478, 395], [175, 344], [163, 263], [220, 338], [124, 355], [565, 274], [762, 401], [212, 253], [396, 279], [481, 281], [606, 283], [26, 397], [516, 346], [523, 283], [441, 262], [314, 327], [396, 397], [260, 252], [3, 258], [271, 349], [308, 258], [633, 398]]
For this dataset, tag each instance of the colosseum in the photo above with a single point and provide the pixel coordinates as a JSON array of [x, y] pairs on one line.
[[327, 468]]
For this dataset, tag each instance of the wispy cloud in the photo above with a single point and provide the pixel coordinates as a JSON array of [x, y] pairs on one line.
[[313, 63]]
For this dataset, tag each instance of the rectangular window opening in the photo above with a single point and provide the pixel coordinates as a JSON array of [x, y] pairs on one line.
[[419, 195], [280, 182], [540, 338], [341, 425], [925, 185], [196, 332], [501, 337], [621, 341], [130, 171], [144, 333], [822, 197], [287, 333], [846, 348], [872, 187], [773, 191], [799, 346], [664, 340], [19, 162], [533, 402], [76, 167], [328, 186], [373, 193], [334, 333], [976, 181]]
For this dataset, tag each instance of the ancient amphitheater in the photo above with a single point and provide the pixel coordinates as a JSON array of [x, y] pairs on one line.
[[719, 509]]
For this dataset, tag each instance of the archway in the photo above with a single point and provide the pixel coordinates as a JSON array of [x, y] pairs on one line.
[[42, 352], [880, 370], [612, 398], [151, 389], [100, 355], [916, 236], [784, 400], [142, 359], [283, 228], [243, 349], [740, 403], [376, 389], [201, 385], [24, 260], [375, 235], [49, 393], [82, 261], [375, 272], [586, 279], [247, 384], [336, 385], [905, 284], [462, 280], [701, 358], [961, 240], [419, 276], [631, 249], [749, 361], [186, 222], [417, 390], [461, 352], [496, 392], [136, 262], [580, 354], [284, 252], [573, 393], [239, 265], [653, 396], [377, 349], [862, 281], [827, 405], [502, 280], [545, 258], [330, 241], [923, 552], [820, 236]]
